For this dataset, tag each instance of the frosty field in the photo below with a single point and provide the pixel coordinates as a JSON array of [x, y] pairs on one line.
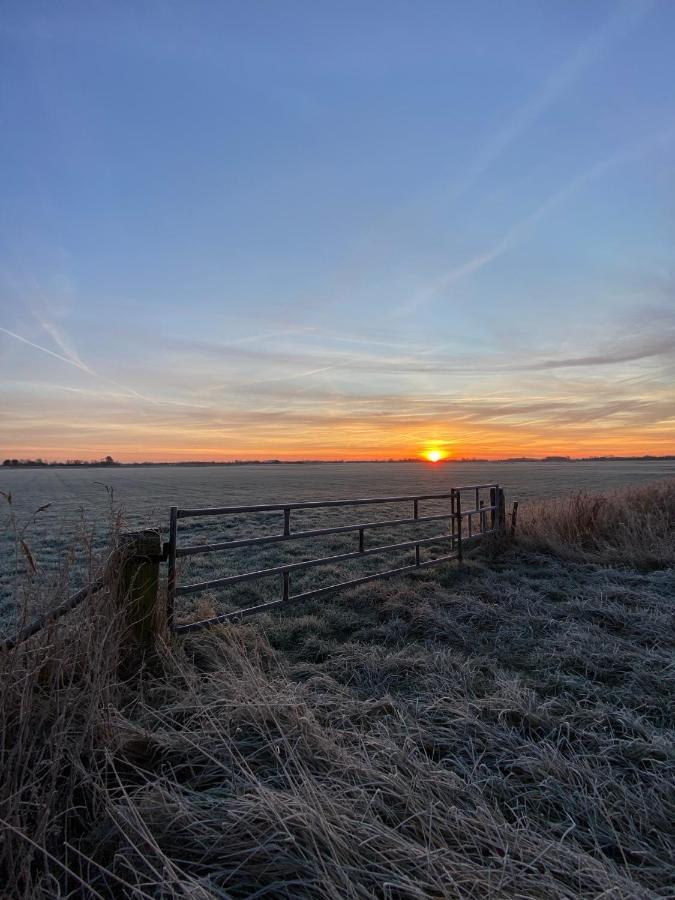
[[498, 729], [81, 502]]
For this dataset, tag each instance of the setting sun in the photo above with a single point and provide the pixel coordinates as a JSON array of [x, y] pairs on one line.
[[434, 455]]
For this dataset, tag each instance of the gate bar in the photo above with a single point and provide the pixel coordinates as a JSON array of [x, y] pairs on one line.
[[307, 595], [171, 574], [190, 550], [320, 504], [306, 564]]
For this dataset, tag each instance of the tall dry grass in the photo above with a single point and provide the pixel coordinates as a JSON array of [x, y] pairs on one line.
[[500, 730], [55, 692], [631, 526]]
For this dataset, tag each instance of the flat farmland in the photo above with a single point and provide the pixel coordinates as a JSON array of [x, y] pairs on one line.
[[503, 727], [83, 503]]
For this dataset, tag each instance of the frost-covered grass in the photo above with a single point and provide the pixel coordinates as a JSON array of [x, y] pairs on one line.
[[500, 729], [75, 504], [633, 526]]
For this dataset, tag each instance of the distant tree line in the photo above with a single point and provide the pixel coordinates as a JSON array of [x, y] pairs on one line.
[[106, 461], [109, 461]]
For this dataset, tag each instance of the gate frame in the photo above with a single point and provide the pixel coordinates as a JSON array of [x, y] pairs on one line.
[[456, 517]]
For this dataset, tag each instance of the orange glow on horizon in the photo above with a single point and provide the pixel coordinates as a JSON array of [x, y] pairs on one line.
[[170, 440], [487, 447]]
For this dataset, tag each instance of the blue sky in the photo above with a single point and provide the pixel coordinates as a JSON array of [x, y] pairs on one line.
[[336, 229]]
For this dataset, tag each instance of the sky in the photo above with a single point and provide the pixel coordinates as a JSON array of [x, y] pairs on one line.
[[337, 230]]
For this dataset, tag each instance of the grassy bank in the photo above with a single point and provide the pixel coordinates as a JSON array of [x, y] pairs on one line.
[[504, 729]]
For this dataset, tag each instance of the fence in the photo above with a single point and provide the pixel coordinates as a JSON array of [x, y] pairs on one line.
[[464, 525], [134, 570], [131, 573]]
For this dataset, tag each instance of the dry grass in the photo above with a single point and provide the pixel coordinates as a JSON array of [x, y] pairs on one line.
[[631, 526], [503, 730]]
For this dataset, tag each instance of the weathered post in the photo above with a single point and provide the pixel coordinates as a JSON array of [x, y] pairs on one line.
[[138, 584], [501, 505], [514, 517], [416, 515], [458, 518], [171, 573]]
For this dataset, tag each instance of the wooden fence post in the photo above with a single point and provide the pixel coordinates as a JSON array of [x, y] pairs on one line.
[[140, 554], [501, 505], [514, 517], [458, 518]]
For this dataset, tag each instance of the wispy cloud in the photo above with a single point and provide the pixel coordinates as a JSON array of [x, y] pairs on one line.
[[640, 348], [588, 410], [211, 371], [622, 20], [66, 359], [626, 16], [73, 360], [65, 346], [520, 229], [269, 335]]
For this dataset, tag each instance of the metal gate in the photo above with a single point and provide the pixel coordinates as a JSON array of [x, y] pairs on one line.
[[486, 516]]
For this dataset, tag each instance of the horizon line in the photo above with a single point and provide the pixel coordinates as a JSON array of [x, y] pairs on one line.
[[39, 462]]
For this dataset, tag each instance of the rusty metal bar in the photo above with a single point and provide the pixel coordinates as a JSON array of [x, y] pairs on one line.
[[306, 564], [192, 550], [319, 504], [52, 615], [458, 512], [299, 535], [171, 575], [307, 595], [416, 515]]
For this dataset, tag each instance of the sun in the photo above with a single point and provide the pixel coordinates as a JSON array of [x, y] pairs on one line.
[[434, 455]]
